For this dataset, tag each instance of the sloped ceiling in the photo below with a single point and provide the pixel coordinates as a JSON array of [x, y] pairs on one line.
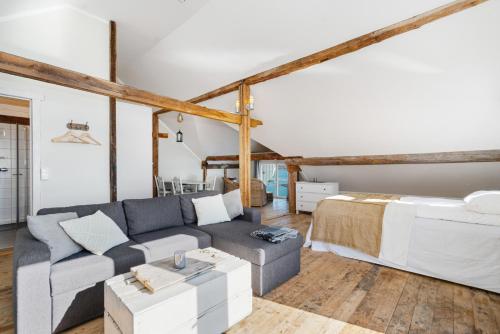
[[141, 24], [206, 137], [432, 89]]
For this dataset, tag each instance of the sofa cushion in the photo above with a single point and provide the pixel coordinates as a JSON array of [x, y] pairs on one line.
[[152, 214], [234, 238], [84, 269], [46, 228], [112, 210], [96, 233], [163, 243], [187, 206]]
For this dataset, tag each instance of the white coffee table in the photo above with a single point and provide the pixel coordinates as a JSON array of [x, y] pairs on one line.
[[209, 303]]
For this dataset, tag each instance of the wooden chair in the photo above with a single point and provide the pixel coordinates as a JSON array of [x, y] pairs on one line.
[[177, 186], [211, 184], [160, 186]]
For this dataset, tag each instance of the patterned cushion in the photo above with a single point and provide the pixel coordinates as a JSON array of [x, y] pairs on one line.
[[96, 233]]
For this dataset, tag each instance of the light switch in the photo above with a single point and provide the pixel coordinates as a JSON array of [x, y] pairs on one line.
[[44, 174]]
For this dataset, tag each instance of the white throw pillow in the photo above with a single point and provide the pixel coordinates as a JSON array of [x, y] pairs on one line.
[[96, 233], [232, 201], [210, 210], [484, 202]]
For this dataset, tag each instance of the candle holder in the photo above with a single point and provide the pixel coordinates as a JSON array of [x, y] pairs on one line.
[[180, 259]]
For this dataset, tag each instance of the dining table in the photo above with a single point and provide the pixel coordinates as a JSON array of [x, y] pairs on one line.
[[196, 184]]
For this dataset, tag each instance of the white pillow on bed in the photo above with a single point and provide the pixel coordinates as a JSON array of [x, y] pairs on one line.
[[484, 202]]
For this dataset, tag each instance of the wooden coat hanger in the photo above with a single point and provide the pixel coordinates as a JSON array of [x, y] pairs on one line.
[[76, 137], [69, 137], [88, 139]]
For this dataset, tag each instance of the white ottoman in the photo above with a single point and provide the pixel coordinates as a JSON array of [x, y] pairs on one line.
[[209, 303]]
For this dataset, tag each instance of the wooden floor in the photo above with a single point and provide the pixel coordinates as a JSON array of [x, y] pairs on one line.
[[338, 295]]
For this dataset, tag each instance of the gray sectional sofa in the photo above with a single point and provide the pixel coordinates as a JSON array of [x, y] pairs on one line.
[[51, 298]]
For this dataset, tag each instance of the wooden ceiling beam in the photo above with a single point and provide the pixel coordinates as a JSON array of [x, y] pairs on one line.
[[162, 135], [400, 159], [254, 157], [253, 122], [222, 166], [344, 48], [32, 69]]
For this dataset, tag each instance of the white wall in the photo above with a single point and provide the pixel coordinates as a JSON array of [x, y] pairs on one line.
[[134, 152], [434, 89], [177, 159], [64, 37]]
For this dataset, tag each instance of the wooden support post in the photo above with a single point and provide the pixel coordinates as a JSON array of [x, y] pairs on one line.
[[112, 114], [245, 155], [204, 168], [293, 177], [155, 151]]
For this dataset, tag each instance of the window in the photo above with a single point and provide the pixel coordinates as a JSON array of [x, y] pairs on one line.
[[275, 177]]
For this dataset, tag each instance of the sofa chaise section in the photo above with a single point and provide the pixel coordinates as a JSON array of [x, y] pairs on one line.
[[272, 264]]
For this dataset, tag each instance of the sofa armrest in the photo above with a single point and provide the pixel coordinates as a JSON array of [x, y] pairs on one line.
[[251, 215], [31, 288]]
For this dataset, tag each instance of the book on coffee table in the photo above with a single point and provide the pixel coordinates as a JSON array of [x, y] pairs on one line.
[[160, 274]]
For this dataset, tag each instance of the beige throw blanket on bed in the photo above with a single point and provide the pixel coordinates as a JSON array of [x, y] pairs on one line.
[[352, 220]]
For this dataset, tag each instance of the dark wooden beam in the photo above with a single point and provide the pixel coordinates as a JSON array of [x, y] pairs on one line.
[[401, 159], [345, 47], [14, 120], [112, 114], [222, 166], [253, 122], [217, 92], [162, 135], [253, 157], [32, 69], [155, 129]]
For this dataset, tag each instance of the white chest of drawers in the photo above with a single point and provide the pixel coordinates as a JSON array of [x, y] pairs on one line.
[[310, 193]]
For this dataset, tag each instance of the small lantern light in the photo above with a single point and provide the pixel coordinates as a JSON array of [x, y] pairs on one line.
[[180, 118], [251, 101], [237, 106], [179, 136], [248, 106]]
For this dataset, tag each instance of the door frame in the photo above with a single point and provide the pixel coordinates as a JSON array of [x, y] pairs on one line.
[[35, 134]]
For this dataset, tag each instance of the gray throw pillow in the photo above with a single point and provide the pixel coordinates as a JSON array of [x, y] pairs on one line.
[[232, 201], [46, 229]]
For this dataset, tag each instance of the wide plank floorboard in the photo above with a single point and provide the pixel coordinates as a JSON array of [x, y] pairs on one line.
[[336, 295]]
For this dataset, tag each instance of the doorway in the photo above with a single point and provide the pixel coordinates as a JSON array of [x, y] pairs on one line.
[[15, 167], [275, 177]]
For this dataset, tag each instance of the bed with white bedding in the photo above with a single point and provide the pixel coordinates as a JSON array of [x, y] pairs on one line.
[[436, 237]]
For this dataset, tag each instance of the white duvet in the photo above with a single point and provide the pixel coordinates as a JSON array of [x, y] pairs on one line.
[[436, 237]]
